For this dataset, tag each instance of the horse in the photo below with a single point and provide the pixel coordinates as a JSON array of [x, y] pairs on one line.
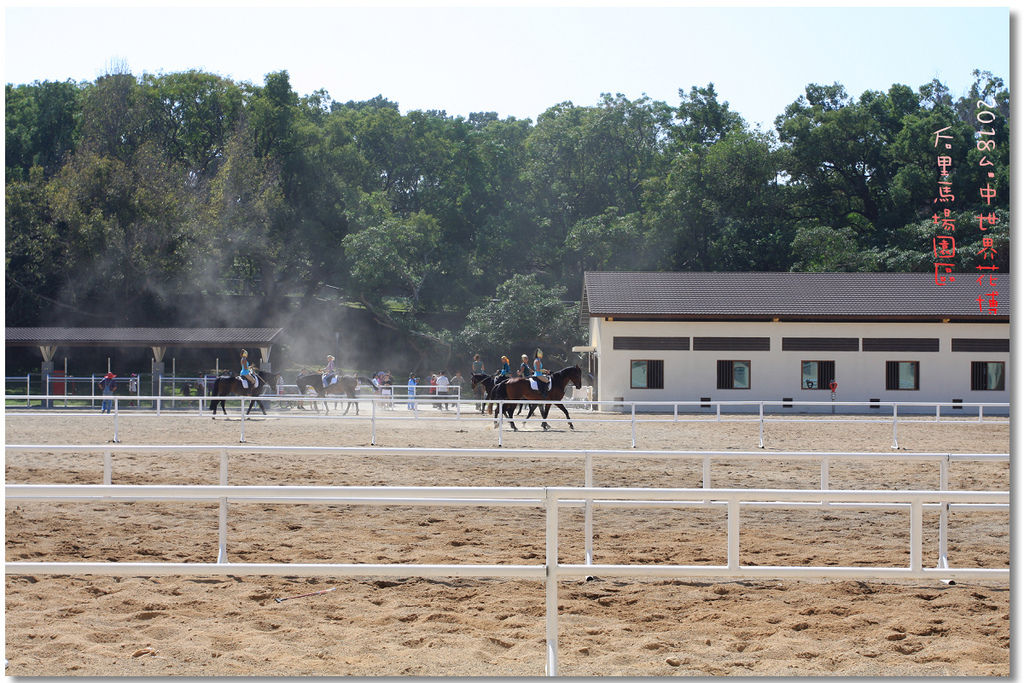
[[518, 389], [231, 385], [486, 383], [346, 384]]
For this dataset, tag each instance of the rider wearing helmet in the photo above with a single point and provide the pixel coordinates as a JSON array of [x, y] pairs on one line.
[[328, 372], [543, 376], [246, 372]]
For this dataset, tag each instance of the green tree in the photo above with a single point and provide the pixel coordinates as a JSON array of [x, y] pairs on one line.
[[523, 314]]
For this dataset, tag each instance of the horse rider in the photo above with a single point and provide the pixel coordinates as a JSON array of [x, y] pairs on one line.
[[328, 371], [542, 376], [504, 372], [246, 372]]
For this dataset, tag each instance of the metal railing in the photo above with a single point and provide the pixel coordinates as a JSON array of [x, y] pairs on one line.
[[549, 498]]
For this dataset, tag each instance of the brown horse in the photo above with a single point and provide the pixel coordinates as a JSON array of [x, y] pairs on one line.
[[346, 384], [518, 389], [227, 385]]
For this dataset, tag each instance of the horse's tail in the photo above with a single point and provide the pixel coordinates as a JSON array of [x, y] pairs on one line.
[[364, 380]]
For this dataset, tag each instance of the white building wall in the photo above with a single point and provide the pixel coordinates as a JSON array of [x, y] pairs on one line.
[[776, 374]]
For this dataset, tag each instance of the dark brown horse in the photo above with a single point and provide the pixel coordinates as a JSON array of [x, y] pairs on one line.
[[346, 385], [231, 385], [519, 389], [486, 384]]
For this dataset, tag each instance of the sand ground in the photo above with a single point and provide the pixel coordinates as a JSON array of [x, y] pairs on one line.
[[373, 626]]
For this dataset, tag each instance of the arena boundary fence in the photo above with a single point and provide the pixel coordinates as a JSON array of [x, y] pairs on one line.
[[825, 458], [550, 498], [378, 415]]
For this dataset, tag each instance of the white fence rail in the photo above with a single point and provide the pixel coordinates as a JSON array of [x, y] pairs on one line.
[[550, 498], [707, 458], [382, 410]]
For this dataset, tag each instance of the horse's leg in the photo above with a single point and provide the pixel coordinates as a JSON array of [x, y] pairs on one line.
[[544, 408], [566, 411]]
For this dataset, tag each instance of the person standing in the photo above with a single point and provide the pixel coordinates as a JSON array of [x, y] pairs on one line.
[[412, 391], [478, 389], [280, 389], [442, 390], [387, 391], [107, 385], [460, 382]]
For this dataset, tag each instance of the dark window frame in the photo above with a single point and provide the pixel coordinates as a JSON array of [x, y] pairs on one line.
[[823, 379], [731, 374], [657, 377], [982, 365], [892, 375]]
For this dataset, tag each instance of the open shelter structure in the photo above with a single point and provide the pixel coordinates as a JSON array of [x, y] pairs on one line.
[[159, 339]]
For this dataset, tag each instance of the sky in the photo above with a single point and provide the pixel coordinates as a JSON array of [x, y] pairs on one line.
[[518, 59]]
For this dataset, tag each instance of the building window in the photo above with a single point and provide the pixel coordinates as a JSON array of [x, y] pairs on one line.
[[647, 374], [817, 374], [734, 374], [988, 376], [902, 375]]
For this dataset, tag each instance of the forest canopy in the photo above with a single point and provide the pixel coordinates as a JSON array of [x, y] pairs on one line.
[[187, 198]]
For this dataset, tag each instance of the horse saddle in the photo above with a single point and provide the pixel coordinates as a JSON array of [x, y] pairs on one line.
[[329, 382], [244, 379], [535, 387]]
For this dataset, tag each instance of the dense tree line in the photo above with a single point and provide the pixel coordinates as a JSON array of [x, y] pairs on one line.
[[131, 198]]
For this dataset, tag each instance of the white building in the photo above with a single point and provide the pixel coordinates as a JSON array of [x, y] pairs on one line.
[[786, 336]]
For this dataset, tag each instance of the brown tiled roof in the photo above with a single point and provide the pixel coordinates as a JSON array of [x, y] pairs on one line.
[[142, 336], [789, 296]]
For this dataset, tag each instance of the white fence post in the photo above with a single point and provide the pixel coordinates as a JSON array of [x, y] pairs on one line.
[[733, 554], [633, 422], [944, 514], [824, 479], [501, 420], [222, 520], [588, 510], [241, 403], [117, 438], [551, 581], [916, 544], [108, 468], [373, 421], [760, 427], [895, 442]]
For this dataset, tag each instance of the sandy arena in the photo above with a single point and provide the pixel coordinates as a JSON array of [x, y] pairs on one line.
[[374, 626]]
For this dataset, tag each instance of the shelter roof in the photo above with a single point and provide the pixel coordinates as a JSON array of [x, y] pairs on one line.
[[206, 337], [791, 296]]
